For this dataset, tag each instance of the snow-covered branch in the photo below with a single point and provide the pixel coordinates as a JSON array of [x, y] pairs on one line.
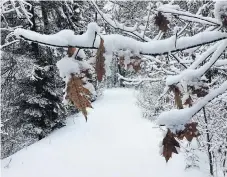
[[191, 73], [190, 17], [177, 118], [115, 42]]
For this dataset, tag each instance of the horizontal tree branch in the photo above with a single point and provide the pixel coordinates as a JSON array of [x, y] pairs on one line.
[[142, 53]]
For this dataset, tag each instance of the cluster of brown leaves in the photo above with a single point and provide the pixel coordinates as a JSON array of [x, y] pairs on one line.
[[199, 91], [170, 143], [78, 95], [189, 132], [99, 67], [162, 22], [135, 62]]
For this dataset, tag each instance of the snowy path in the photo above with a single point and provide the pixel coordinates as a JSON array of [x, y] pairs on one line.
[[115, 142]]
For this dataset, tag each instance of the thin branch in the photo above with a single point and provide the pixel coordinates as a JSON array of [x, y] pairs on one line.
[[9, 43], [181, 13], [94, 39], [172, 55], [95, 6], [147, 21]]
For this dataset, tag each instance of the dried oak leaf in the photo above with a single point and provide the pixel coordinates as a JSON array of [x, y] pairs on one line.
[[77, 94], [189, 132], [169, 145], [99, 67], [162, 22], [71, 51]]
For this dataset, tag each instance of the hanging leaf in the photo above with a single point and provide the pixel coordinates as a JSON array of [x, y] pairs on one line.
[[188, 101], [99, 68], [177, 96], [162, 22], [78, 95], [189, 132], [71, 51], [169, 145]]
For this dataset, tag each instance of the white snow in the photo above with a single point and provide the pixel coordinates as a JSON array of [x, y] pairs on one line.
[[67, 66], [115, 142], [221, 62], [90, 87]]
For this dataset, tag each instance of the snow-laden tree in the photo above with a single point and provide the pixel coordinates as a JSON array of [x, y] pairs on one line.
[[186, 51]]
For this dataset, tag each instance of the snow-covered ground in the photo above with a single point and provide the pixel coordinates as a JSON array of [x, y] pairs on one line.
[[115, 142]]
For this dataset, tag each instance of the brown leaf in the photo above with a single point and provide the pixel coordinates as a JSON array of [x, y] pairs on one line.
[[188, 101], [162, 22], [77, 94], [189, 132], [71, 51], [177, 96], [169, 145], [99, 68]]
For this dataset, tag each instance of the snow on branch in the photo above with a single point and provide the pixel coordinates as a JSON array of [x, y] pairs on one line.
[[191, 73], [190, 17], [137, 81], [115, 42], [175, 119], [204, 56], [63, 38]]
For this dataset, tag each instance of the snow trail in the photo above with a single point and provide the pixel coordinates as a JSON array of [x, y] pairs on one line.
[[115, 142]]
